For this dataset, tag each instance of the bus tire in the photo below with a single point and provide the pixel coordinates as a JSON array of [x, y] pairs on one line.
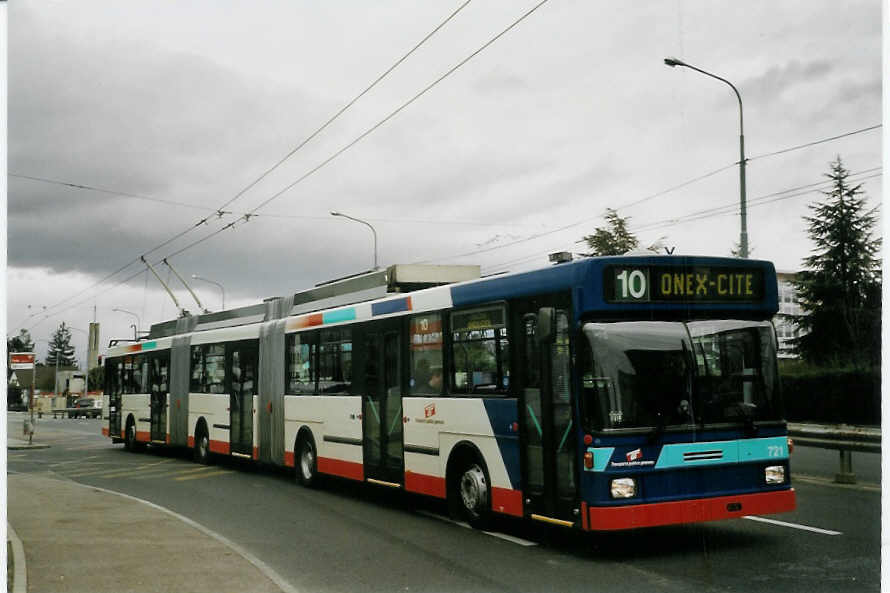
[[306, 460], [469, 489], [130, 435], [202, 444]]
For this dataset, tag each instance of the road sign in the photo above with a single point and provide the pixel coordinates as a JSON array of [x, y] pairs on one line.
[[21, 360]]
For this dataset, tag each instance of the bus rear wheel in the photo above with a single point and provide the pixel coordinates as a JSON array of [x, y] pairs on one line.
[[130, 442], [202, 446], [306, 462]]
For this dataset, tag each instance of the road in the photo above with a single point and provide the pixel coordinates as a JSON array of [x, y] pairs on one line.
[[344, 537]]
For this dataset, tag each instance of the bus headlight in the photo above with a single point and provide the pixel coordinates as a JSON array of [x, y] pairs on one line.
[[775, 474], [623, 488]]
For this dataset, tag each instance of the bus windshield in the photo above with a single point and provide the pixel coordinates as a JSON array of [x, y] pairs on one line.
[[644, 374]]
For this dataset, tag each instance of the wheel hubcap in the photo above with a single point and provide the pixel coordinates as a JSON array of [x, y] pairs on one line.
[[473, 489], [306, 461], [202, 445]]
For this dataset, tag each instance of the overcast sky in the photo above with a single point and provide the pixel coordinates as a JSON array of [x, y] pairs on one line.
[[570, 112]]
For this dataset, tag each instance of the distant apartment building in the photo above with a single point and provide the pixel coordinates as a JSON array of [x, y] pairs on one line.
[[788, 305]]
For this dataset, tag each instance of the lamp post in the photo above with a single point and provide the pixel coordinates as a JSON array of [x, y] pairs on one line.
[[135, 327], [221, 288], [335, 213], [743, 234]]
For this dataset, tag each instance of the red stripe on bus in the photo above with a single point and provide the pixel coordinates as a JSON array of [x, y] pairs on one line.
[[507, 501], [143, 436], [123, 434], [168, 438], [584, 516], [289, 458], [191, 442], [338, 467], [423, 484], [691, 511], [104, 431], [256, 452], [219, 447]]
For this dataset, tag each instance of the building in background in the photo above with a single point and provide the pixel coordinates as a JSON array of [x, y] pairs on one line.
[[786, 329]]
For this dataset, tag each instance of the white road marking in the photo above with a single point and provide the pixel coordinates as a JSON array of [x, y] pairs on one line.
[[497, 534], [511, 538], [792, 525]]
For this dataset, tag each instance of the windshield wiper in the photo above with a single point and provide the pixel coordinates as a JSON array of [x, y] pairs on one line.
[[658, 431]]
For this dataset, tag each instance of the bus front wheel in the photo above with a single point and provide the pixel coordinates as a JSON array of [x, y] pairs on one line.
[[469, 494]]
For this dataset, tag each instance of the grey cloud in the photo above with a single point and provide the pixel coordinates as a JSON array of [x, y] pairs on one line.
[[781, 80]]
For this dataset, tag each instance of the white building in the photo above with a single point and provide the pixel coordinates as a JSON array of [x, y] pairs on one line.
[[788, 305]]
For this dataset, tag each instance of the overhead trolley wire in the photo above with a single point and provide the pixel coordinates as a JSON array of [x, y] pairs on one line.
[[348, 105], [246, 217], [655, 195], [814, 143], [717, 210], [399, 109]]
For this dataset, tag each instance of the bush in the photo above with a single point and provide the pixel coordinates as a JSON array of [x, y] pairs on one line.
[[840, 395]]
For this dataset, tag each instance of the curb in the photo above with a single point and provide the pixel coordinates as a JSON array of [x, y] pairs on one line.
[[264, 568], [14, 447], [19, 571]]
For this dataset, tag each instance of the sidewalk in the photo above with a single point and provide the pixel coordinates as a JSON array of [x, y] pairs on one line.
[[82, 539], [17, 444]]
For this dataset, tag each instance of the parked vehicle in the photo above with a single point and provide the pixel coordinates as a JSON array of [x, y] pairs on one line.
[[87, 407]]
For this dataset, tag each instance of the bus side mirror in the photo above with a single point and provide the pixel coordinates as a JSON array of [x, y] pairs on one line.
[[544, 328]]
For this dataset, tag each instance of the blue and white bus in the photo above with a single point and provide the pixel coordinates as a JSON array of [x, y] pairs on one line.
[[604, 393]]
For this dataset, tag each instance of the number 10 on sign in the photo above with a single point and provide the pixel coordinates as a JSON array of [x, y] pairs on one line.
[[632, 284]]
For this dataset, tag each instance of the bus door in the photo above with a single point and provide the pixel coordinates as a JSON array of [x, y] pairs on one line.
[[242, 375], [113, 383], [159, 381], [382, 405], [548, 428]]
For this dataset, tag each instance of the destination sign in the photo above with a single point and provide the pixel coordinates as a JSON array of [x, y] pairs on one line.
[[635, 284]]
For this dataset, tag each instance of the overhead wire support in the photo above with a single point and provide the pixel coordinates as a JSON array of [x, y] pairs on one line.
[[182, 312], [184, 283]]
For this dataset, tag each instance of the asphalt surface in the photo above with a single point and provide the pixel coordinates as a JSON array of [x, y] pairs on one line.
[[347, 537]]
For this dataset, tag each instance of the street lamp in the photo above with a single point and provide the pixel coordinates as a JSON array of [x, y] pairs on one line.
[[135, 327], [743, 234], [221, 288], [335, 213]]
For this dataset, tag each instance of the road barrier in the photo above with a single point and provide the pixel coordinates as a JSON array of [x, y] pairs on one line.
[[843, 437]]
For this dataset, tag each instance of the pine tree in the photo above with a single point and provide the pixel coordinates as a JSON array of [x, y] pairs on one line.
[[615, 238], [60, 346], [21, 342], [840, 288]]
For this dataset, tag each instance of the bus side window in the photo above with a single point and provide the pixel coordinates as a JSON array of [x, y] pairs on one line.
[[302, 366], [480, 351], [425, 343], [214, 376], [196, 383], [335, 360]]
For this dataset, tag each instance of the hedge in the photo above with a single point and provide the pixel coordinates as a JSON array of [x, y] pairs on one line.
[[833, 396]]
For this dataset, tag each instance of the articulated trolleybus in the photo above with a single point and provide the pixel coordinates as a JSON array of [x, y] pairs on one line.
[[601, 394]]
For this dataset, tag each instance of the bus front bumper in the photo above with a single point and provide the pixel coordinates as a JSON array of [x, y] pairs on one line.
[[688, 511]]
